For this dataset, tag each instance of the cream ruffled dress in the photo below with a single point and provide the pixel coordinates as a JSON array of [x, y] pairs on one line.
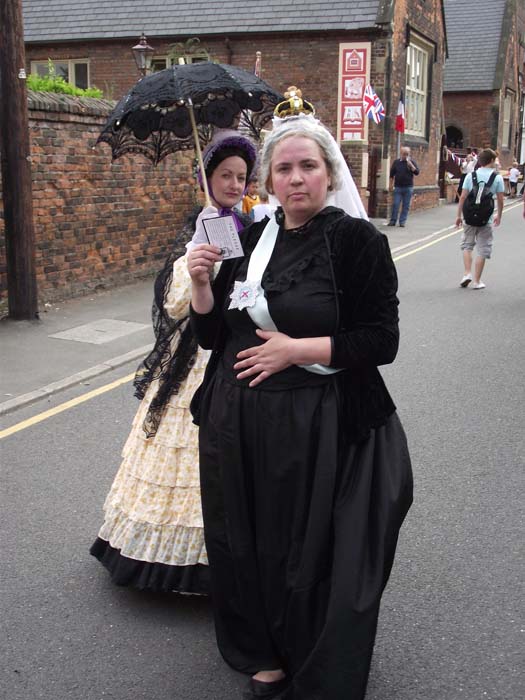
[[153, 536]]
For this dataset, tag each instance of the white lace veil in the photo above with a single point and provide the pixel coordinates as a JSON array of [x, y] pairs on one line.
[[345, 194]]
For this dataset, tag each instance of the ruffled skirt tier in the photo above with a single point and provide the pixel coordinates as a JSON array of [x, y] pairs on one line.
[[152, 536]]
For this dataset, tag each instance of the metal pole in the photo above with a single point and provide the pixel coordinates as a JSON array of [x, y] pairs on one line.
[[16, 166], [189, 105]]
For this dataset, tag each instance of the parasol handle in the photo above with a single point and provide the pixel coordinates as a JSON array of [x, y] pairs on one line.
[[199, 153]]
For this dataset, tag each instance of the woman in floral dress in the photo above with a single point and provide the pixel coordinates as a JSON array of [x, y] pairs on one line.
[[152, 535]]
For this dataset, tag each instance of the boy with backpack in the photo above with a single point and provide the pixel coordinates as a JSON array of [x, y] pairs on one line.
[[476, 207]]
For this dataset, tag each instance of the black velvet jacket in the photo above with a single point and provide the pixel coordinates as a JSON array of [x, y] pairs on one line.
[[365, 279]]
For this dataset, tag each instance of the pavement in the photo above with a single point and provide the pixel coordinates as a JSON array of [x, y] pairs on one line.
[[79, 339]]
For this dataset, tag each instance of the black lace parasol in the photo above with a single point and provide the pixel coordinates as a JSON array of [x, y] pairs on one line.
[[155, 117]]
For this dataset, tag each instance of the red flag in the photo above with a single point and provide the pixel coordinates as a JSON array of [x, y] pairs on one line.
[[400, 118]]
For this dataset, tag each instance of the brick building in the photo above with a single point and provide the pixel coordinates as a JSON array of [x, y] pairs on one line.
[[330, 50], [521, 37], [98, 224], [483, 89]]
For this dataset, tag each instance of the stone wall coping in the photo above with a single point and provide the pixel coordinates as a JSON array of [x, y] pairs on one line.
[[58, 102]]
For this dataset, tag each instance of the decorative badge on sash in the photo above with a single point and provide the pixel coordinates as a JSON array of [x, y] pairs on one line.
[[249, 293], [244, 294]]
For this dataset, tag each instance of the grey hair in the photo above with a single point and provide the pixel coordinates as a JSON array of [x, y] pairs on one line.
[[310, 128]]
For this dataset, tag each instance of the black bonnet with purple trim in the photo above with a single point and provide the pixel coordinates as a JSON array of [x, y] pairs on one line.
[[224, 145]]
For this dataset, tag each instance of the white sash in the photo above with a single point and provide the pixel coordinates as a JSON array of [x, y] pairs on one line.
[[258, 311]]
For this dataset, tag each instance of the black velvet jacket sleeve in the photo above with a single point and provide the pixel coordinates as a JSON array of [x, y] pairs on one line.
[[209, 329], [206, 327], [368, 333], [367, 285]]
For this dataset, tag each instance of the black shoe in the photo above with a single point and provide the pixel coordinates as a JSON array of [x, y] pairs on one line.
[[259, 690], [391, 223], [402, 225]]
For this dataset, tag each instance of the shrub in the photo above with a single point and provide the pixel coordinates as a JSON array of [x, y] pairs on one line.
[[55, 83]]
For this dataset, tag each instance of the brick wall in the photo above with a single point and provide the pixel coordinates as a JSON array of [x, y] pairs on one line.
[[479, 115], [510, 83], [97, 223], [476, 115], [310, 64], [418, 19], [309, 61]]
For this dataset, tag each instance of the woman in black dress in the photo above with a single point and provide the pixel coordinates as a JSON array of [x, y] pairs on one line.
[[305, 471]]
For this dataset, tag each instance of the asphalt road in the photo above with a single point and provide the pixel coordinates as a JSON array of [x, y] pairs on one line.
[[452, 623]]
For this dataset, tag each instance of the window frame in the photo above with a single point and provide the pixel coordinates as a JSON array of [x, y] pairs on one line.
[[419, 125], [508, 105], [170, 60], [156, 59], [71, 63]]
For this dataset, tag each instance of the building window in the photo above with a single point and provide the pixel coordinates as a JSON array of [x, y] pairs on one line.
[[417, 86], [508, 106], [162, 62], [74, 71], [159, 63]]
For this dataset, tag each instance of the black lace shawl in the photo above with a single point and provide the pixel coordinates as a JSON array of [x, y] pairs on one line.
[[170, 366]]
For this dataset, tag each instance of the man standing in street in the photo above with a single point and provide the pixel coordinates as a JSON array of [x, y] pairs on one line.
[[402, 172], [480, 236]]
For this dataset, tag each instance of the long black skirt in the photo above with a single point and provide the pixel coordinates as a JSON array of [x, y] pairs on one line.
[[301, 529]]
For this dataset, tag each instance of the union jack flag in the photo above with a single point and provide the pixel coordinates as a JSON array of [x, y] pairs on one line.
[[372, 105]]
